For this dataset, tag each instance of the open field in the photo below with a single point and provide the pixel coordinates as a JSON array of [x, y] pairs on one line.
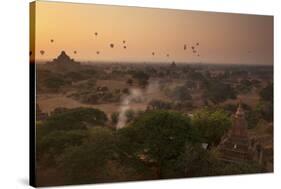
[[96, 87]]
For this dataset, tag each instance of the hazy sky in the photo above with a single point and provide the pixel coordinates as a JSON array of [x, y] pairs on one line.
[[223, 38]]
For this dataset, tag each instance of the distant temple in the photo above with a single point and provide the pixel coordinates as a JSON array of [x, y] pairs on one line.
[[235, 146], [63, 59]]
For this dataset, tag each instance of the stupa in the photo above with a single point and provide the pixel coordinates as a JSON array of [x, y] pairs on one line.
[[63, 63], [63, 58], [235, 146]]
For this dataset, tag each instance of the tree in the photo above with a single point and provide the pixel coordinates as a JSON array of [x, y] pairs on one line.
[[75, 76], [181, 93], [59, 110], [244, 86], [50, 146], [153, 140], [130, 81], [265, 106], [130, 115], [265, 110], [159, 105], [212, 125], [55, 82], [217, 91], [75, 119], [89, 162], [114, 118], [142, 78], [195, 161], [126, 91], [266, 93], [238, 168], [252, 117], [196, 76], [190, 84]]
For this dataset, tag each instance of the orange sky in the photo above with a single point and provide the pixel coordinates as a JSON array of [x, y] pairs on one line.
[[223, 38]]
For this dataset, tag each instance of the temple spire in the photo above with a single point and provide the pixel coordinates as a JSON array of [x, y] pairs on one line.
[[239, 127], [239, 111], [235, 146]]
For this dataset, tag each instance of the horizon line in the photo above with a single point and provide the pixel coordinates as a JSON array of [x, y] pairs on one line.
[[90, 62]]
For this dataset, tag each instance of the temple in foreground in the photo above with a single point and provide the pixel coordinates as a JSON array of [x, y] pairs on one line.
[[241, 145], [235, 146]]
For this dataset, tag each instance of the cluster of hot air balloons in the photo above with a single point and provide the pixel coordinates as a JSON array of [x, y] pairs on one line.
[[42, 52], [124, 46], [111, 45], [194, 48]]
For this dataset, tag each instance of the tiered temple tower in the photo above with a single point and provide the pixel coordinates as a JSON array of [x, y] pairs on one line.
[[234, 146], [64, 63], [63, 58]]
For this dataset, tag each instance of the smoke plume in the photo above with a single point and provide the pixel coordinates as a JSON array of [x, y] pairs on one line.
[[138, 96]]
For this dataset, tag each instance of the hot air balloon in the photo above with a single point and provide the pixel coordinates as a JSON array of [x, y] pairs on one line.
[[74, 52], [197, 44], [198, 54], [42, 52], [98, 52], [192, 47], [96, 33], [153, 53], [184, 47], [52, 40], [124, 41], [194, 51], [124, 46], [111, 45], [167, 55]]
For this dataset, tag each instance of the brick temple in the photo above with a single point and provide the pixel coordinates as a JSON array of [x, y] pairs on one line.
[[235, 146]]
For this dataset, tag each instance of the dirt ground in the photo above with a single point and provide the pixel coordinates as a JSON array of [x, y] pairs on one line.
[[48, 103]]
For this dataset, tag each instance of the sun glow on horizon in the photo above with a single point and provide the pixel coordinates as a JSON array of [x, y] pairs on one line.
[[86, 32]]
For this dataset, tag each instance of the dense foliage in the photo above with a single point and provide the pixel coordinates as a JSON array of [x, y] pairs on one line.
[[212, 125], [217, 91], [156, 144]]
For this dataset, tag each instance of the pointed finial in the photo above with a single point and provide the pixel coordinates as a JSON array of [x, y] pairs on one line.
[[239, 111], [240, 103]]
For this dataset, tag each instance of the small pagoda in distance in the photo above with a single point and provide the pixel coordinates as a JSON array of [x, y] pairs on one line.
[[235, 146]]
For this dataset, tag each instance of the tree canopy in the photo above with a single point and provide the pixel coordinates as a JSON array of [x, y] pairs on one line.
[[212, 125], [77, 118], [218, 92], [88, 162], [155, 138], [266, 93]]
